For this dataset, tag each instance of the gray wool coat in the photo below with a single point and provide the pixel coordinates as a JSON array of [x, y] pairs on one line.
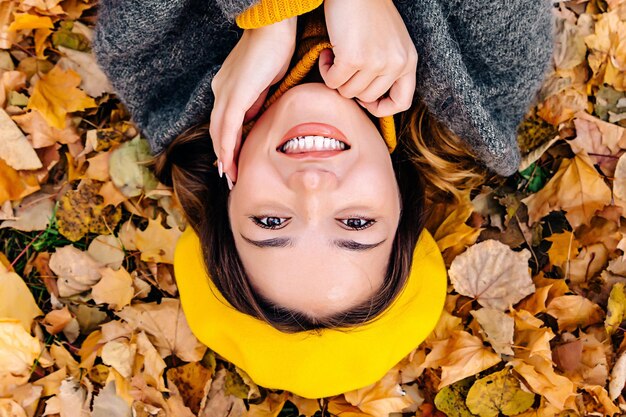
[[480, 64]]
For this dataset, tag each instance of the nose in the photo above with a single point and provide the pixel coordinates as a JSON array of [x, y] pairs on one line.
[[312, 180]]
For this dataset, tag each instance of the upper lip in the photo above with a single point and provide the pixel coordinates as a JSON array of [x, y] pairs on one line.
[[313, 129]]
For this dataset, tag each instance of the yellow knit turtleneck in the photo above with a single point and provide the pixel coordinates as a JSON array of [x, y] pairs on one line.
[[313, 40]]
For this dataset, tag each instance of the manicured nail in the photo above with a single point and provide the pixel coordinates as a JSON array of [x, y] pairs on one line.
[[220, 168], [230, 183]]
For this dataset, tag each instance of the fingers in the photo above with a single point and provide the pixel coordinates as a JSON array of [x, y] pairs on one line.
[[376, 88], [225, 128], [399, 99], [335, 74]]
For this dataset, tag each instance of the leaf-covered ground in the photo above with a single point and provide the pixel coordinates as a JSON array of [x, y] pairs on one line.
[[534, 319]]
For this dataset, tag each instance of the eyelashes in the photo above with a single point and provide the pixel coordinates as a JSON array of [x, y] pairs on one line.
[[276, 223]]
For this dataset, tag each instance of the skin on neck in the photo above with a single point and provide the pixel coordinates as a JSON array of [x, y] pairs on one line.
[[315, 262]]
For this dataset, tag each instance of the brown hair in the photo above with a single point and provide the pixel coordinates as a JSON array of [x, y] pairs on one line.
[[419, 158]]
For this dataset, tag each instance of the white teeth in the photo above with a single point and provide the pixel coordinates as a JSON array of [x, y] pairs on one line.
[[315, 143]]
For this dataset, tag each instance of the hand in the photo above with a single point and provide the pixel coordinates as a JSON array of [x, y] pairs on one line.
[[373, 53], [260, 59]]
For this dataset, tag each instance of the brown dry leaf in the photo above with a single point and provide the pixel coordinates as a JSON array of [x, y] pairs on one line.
[[83, 210], [56, 94], [601, 141], [561, 107], [592, 368], [541, 378], [111, 194], [191, 380], [460, 356], [115, 288], [167, 328], [15, 149], [15, 185], [76, 270], [572, 311], [107, 250], [41, 134], [618, 376], [153, 364], [381, 398], [493, 274], [619, 183], [56, 320], [120, 354], [93, 81], [98, 168], [576, 188], [271, 407], [496, 328], [453, 233], [589, 262], [306, 406], [16, 300], [600, 394], [34, 213], [220, 404], [156, 243]]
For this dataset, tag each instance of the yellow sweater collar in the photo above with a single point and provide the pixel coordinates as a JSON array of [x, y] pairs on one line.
[[312, 364]]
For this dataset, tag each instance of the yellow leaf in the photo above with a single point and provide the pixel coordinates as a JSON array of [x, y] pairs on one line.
[[572, 311], [115, 288], [616, 308], [83, 210], [454, 233], [56, 94], [25, 21], [153, 364], [541, 378], [381, 398], [602, 397], [157, 243], [16, 300], [191, 380], [576, 188], [18, 351], [564, 247], [460, 356], [14, 185], [498, 393]]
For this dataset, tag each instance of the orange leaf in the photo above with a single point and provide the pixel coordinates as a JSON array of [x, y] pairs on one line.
[[57, 94], [15, 185], [576, 188], [26, 21]]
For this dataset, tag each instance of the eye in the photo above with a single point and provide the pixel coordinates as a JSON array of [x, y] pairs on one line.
[[357, 223], [269, 222]]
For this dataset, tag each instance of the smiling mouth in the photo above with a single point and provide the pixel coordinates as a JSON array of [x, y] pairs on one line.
[[309, 143]]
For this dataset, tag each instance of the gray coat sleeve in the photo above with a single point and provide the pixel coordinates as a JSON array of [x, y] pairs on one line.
[[161, 57], [480, 65]]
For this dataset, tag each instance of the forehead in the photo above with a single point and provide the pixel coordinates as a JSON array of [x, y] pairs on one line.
[[314, 277]]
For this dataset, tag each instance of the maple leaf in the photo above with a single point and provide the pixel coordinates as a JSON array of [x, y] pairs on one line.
[[156, 243], [25, 21], [115, 288], [576, 188], [15, 185], [56, 94], [493, 274], [564, 247], [16, 300], [381, 398], [41, 134]]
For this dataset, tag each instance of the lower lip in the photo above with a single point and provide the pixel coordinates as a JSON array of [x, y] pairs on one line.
[[312, 154]]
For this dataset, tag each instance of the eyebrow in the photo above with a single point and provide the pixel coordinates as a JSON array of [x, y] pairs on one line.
[[282, 242]]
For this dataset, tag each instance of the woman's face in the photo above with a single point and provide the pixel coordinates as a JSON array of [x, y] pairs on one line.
[[314, 228]]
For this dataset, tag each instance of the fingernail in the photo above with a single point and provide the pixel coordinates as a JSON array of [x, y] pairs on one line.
[[230, 183], [220, 168]]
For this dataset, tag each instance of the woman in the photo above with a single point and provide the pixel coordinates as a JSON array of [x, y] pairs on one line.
[[319, 238]]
